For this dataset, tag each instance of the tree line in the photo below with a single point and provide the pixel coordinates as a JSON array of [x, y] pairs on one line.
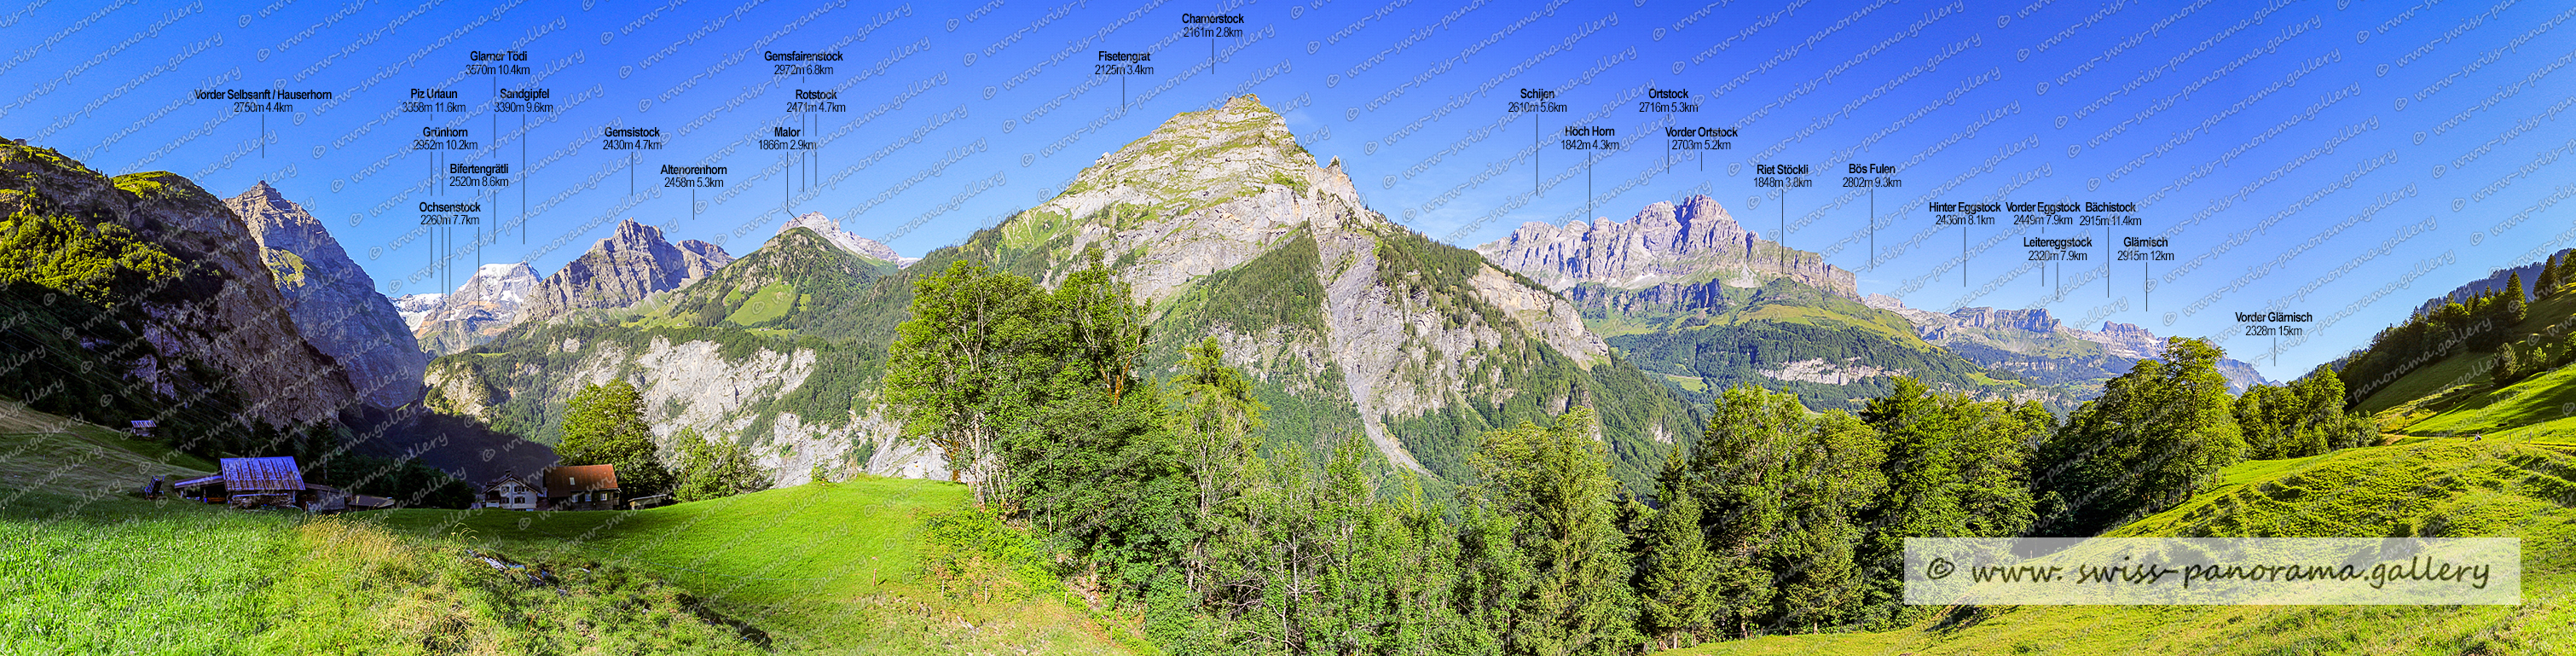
[[2481, 322], [1775, 520]]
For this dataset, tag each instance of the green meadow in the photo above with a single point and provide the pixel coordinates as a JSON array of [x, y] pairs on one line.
[[87, 567]]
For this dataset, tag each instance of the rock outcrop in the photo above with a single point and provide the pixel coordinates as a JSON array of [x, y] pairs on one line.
[[334, 303], [623, 270], [491, 301], [1663, 245], [1985, 318]]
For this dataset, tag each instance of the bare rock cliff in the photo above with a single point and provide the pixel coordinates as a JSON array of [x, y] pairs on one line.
[[1663, 245]]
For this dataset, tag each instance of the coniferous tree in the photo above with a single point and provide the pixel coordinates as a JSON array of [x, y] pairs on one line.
[[2547, 284], [1678, 572], [2566, 269], [1741, 467], [2507, 366], [1556, 478], [1819, 568], [2515, 307]]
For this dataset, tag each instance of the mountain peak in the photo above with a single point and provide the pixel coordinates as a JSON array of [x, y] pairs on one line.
[[332, 302], [831, 231], [1208, 190], [629, 232], [489, 302], [1240, 145], [622, 270]]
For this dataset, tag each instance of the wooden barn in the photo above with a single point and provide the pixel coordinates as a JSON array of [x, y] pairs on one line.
[[255, 482]]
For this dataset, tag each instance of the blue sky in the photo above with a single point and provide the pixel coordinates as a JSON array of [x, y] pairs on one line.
[[2339, 159]]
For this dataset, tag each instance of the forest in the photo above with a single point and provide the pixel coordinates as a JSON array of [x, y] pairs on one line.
[[1152, 498], [2482, 323]]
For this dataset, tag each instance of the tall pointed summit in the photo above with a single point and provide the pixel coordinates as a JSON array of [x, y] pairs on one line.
[[334, 303], [1232, 228]]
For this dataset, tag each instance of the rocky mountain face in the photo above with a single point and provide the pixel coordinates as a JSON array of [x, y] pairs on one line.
[[1350, 324], [152, 298], [831, 231], [490, 301], [334, 303], [622, 270], [1692, 296], [2033, 344], [1665, 249], [705, 361], [2036, 321]]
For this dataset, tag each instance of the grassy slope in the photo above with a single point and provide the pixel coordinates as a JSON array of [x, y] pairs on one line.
[[769, 303], [1839, 312], [120, 575], [815, 567], [2515, 482], [1779, 324], [811, 568], [2540, 401], [44, 451]]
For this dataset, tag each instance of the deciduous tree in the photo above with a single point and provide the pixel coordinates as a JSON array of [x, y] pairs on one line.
[[2156, 436], [604, 425]]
